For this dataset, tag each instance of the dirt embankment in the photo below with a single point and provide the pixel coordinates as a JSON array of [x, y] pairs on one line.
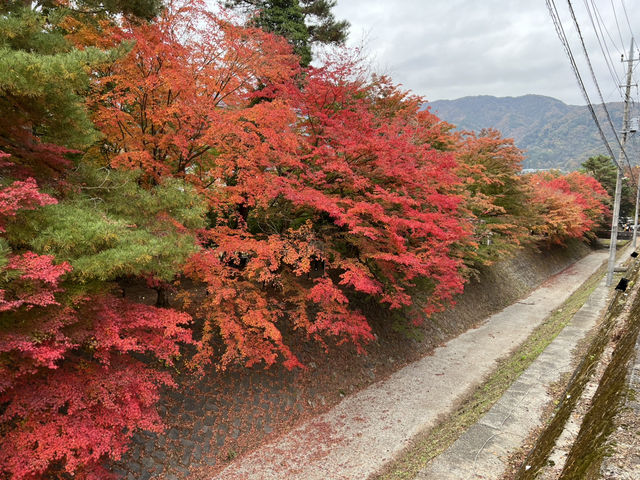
[[212, 420]]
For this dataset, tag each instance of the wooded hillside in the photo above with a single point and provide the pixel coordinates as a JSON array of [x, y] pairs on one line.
[[551, 133]]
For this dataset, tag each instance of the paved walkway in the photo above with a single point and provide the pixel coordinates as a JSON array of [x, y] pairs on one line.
[[483, 451], [366, 430]]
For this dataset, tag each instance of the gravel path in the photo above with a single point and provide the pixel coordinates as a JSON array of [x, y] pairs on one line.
[[366, 430]]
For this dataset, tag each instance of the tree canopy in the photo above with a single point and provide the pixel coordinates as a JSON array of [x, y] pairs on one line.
[[604, 170], [302, 22]]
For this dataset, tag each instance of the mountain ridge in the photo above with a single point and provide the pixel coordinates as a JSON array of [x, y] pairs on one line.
[[553, 134]]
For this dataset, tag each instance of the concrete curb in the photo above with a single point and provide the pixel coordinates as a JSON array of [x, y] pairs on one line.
[[624, 462]]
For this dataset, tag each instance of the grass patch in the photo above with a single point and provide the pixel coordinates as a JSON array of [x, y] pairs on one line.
[[605, 242], [436, 440]]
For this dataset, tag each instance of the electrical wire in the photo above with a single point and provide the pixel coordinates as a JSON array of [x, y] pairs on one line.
[[555, 17], [626, 16], [634, 104], [607, 55], [595, 82], [604, 25], [615, 16]]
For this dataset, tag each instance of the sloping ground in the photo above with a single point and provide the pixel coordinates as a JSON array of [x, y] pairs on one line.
[[357, 437], [213, 420], [623, 459]]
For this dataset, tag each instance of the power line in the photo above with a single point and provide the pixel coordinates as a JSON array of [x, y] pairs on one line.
[[555, 17], [604, 25], [615, 16], [595, 81], [607, 55], [626, 16]]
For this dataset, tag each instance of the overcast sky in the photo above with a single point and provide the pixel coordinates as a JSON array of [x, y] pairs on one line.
[[445, 49]]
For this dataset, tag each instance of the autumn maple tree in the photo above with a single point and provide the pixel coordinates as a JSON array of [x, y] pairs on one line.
[[604, 171], [496, 195], [188, 74], [567, 206], [314, 191]]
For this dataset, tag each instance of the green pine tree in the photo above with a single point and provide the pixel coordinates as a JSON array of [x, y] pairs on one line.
[[44, 77], [301, 22], [602, 168], [109, 228], [322, 24]]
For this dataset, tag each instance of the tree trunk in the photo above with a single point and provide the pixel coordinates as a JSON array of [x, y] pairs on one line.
[[163, 297]]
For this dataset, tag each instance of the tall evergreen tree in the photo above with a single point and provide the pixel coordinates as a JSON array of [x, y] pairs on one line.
[[603, 169], [301, 22], [322, 24]]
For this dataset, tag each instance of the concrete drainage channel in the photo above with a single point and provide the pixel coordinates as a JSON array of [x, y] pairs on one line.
[[489, 449], [616, 338]]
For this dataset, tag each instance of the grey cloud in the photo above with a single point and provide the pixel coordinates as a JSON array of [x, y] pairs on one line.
[[453, 48]]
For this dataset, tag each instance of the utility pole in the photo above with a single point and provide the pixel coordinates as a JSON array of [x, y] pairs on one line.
[[635, 216], [633, 129], [616, 204]]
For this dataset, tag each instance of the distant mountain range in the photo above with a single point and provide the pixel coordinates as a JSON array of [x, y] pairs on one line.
[[552, 133]]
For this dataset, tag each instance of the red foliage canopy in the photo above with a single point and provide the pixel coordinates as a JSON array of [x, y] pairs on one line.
[[495, 194], [70, 390], [21, 195], [183, 75], [389, 195], [317, 187], [567, 206]]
